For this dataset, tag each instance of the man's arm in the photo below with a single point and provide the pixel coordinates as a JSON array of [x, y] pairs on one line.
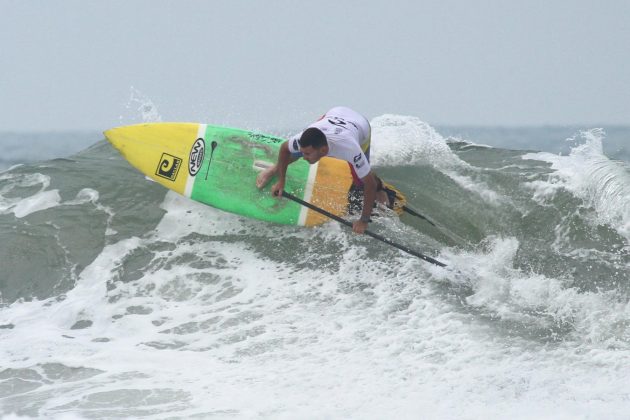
[[369, 195], [284, 159]]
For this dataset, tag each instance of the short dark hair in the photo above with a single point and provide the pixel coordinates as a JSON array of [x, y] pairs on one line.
[[313, 137]]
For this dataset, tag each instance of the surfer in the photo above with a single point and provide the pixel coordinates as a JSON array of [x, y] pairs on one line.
[[340, 133]]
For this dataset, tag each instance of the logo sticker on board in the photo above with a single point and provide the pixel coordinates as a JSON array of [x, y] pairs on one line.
[[168, 167], [195, 159]]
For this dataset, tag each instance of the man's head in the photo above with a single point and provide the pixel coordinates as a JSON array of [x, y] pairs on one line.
[[313, 144]]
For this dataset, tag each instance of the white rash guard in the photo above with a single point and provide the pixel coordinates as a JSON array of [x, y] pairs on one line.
[[348, 136]]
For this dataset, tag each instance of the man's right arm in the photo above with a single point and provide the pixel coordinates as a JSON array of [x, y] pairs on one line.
[[284, 159]]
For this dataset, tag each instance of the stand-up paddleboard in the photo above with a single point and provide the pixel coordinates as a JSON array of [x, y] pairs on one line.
[[218, 166]]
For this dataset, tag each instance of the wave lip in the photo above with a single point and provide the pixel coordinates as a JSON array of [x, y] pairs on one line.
[[402, 140], [589, 174], [406, 140]]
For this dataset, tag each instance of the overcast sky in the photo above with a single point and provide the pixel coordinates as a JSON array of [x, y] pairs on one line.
[[272, 64]]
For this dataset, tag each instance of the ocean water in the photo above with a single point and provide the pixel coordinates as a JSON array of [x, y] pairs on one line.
[[122, 300]]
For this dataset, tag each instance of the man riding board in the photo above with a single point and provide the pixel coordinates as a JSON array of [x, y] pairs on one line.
[[340, 133]]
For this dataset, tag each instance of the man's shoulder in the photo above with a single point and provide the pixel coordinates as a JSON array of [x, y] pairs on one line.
[[342, 111]]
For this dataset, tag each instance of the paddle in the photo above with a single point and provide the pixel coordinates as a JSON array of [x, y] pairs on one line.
[[452, 236], [415, 213], [367, 232]]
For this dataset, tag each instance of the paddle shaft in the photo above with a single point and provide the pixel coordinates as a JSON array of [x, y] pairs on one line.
[[367, 232], [415, 213]]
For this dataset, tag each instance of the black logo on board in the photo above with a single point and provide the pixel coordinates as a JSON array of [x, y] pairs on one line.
[[213, 146], [168, 167], [195, 160]]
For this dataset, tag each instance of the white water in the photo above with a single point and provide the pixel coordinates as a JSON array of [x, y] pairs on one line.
[[23, 206], [217, 328], [247, 336]]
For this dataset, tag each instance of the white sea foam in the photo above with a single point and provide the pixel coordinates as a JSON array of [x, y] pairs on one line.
[[23, 206], [41, 201], [212, 328], [44, 199], [536, 300], [89, 195]]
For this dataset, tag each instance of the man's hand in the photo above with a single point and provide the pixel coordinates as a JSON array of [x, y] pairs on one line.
[[277, 189], [359, 227]]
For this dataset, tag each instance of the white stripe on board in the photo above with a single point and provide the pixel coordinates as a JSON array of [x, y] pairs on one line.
[[190, 182], [308, 192]]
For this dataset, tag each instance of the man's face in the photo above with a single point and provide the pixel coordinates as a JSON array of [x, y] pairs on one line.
[[313, 155]]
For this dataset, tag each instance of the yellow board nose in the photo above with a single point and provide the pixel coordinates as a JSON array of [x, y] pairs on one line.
[[159, 150]]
